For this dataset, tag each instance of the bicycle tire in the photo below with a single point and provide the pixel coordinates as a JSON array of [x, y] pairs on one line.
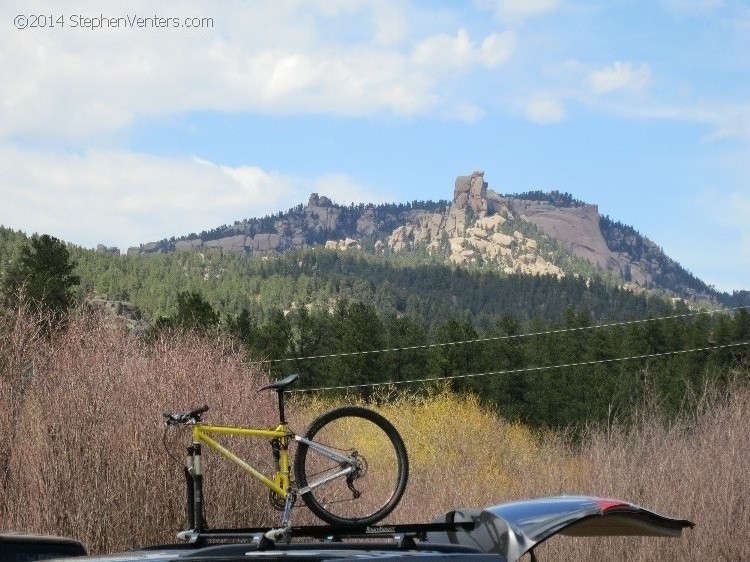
[[383, 480]]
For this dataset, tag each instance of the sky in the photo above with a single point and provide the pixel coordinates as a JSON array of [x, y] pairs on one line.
[[123, 123]]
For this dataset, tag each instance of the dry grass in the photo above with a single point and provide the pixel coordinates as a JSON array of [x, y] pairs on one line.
[[463, 455], [84, 455]]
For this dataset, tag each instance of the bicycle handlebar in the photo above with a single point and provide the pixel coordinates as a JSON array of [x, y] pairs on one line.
[[178, 418]]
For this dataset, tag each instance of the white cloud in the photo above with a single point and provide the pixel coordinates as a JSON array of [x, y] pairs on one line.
[[497, 49], [620, 75], [513, 11], [342, 58], [730, 121], [123, 199], [545, 109], [445, 52], [726, 119], [466, 112]]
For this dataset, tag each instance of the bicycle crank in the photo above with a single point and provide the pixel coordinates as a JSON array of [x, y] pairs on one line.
[[277, 502]]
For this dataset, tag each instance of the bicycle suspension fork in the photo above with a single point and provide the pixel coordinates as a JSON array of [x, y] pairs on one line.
[[194, 488]]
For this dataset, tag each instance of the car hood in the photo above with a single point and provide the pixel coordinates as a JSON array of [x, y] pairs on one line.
[[513, 529]]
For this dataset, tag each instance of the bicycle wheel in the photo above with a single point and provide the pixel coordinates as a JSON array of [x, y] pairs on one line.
[[374, 489]]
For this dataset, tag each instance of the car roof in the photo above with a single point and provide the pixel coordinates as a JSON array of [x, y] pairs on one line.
[[26, 547], [299, 552], [16, 537], [501, 533]]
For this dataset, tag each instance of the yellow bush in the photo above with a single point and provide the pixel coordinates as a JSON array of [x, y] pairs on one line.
[[461, 453]]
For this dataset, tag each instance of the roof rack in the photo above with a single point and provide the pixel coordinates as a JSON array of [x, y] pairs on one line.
[[405, 534]]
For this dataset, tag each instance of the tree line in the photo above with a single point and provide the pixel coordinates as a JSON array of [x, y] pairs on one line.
[[436, 313], [516, 373]]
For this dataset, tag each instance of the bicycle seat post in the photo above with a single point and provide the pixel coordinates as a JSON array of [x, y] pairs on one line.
[[282, 415], [279, 386]]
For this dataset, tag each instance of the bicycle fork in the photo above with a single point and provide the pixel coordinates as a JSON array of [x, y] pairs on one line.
[[194, 488]]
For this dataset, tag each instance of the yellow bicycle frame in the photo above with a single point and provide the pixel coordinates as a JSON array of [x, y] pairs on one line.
[[203, 432], [280, 483]]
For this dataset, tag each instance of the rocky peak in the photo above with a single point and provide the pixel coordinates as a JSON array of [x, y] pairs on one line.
[[478, 227], [318, 201], [471, 191], [107, 250]]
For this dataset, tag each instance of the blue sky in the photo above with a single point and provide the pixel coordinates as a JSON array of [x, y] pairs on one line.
[[137, 131]]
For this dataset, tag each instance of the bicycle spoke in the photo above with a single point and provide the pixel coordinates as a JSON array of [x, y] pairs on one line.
[[367, 492]]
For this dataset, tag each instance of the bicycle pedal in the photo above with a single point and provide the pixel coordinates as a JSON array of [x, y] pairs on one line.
[[276, 535], [190, 536]]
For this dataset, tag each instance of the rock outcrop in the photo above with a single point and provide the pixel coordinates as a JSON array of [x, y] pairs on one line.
[[322, 215], [150, 248], [470, 232], [346, 244], [477, 227], [107, 250], [576, 228], [471, 191]]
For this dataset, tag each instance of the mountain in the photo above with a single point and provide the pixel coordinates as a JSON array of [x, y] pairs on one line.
[[533, 233]]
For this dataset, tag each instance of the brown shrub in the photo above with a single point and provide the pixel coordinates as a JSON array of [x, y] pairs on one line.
[[85, 456], [696, 468], [463, 455], [87, 459]]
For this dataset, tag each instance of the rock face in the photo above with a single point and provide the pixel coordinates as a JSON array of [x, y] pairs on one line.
[[471, 191], [150, 248], [478, 227], [322, 215], [576, 228], [346, 244], [108, 251], [230, 243], [265, 243], [470, 232], [366, 223]]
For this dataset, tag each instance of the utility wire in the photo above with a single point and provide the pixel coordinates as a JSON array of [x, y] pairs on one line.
[[498, 338], [523, 370]]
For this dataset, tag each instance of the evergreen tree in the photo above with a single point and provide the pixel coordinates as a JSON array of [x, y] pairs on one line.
[[42, 279], [195, 313]]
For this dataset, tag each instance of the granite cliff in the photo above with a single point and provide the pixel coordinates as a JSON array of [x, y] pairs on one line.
[[535, 233]]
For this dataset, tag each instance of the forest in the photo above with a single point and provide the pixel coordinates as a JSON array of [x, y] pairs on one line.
[[541, 350]]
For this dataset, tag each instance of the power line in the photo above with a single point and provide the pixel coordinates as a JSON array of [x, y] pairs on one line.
[[524, 370], [498, 338]]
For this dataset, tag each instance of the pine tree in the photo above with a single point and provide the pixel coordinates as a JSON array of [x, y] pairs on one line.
[[43, 279]]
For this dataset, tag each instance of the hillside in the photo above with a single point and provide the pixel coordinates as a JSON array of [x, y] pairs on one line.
[[574, 346], [533, 233]]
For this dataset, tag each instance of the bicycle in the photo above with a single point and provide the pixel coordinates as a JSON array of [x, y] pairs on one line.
[[350, 467]]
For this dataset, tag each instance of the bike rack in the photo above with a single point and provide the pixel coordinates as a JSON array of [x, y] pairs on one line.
[[404, 534]]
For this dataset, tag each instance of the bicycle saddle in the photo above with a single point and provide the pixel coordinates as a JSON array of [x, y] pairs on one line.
[[280, 384]]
